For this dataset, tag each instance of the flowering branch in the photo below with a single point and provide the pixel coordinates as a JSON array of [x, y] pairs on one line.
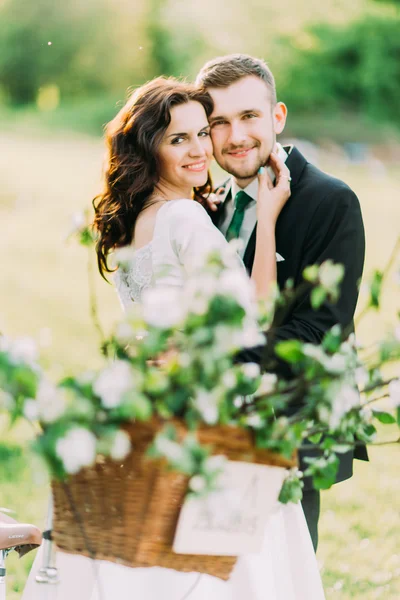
[[207, 323]]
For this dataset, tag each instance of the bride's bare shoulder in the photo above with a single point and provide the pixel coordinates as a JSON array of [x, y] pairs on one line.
[[145, 224]]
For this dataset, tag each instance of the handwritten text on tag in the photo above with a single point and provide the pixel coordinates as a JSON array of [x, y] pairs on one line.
[[231, 521]]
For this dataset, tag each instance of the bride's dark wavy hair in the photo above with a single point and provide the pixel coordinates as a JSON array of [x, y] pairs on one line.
[[132, 166]]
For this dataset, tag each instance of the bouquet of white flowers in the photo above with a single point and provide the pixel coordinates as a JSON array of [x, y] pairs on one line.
[[174, 379]]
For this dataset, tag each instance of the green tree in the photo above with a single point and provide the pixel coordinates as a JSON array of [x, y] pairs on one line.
[[61, 43], [355, 68], [173, 45]]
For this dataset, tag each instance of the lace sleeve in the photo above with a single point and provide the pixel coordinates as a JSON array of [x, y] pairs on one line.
[[122, 289], [130, 282]]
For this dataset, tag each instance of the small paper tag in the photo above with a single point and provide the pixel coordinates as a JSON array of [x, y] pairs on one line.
[[279, 257], [232, 520]]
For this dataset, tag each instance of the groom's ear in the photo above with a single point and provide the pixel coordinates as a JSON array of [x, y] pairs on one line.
[[279, 116]]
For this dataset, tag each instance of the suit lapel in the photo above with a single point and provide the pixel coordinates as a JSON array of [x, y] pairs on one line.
[[295, 163], [248, 257]]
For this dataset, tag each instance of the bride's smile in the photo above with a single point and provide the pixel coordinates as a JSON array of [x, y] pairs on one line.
[[185, 151]]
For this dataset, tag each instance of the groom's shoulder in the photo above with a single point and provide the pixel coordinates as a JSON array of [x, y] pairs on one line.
[[324, 188]]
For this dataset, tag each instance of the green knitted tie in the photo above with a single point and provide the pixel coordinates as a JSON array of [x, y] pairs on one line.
[[241, 202]]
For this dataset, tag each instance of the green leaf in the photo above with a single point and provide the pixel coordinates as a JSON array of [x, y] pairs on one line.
[[134, 406], [341, 448], [316, 438], [322, 470], [384, 417], [398, 416], [311, 273], [292, 490], [318, 296], [86, 237], [332, 339], [375, 289], [290, 350]]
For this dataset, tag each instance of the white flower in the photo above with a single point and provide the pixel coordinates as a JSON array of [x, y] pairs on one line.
[[362, 377], [121, 446], [199, 305], [267, 385], [352, 340], [366, 414], [249, 335], [335, 364], [238, 401], [394, 393], [76, 449], [171, 450], [124, 333], [50, 400], [31, 409], [207, 405], [229, 379], [113, 382], [254, 421], [235, 283], [397, 333], [330, 274], [315, 352], [344, 397], [197, 483], [163, 307], [251, 370], [78, 220], [204, 284], [226, 339], [198, 291], [215, 463], [23, 350]]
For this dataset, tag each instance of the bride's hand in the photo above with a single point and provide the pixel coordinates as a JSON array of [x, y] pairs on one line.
[[271, 199], [214, 199]]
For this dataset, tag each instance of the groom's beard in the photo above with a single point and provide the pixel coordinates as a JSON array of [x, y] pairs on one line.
[[245, 171]]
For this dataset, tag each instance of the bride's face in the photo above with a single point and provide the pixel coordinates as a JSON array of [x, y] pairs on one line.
[[185, 150]]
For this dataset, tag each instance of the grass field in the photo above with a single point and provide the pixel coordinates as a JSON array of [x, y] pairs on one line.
[[43, 181]]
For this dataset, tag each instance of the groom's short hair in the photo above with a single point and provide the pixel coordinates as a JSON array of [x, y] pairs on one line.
[[222, 71]]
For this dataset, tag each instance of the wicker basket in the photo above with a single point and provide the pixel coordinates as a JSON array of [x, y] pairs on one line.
[[127, 512]]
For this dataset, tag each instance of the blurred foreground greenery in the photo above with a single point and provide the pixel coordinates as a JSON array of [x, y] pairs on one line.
[[44, 179], [65, 68]]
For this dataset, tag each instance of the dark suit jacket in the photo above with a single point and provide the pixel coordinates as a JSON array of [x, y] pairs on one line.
[[321, 220]]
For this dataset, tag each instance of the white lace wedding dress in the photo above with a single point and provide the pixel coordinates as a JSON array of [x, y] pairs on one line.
[[286, 569]]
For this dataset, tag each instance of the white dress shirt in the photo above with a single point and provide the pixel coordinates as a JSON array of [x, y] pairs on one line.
[[250, 213]]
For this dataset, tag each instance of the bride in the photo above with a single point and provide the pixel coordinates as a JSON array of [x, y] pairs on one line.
[[156, 180]]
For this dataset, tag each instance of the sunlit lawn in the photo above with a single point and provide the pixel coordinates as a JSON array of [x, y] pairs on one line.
[[43, 181]]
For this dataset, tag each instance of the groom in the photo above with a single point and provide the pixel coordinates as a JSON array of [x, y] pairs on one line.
[[321, 220]]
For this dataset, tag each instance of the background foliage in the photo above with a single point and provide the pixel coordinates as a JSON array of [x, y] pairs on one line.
[[337, 60], [48, 171]]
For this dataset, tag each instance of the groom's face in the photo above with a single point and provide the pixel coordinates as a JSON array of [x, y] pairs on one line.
[[244, 125]]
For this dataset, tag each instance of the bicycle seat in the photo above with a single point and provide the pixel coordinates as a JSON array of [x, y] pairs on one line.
[[23, 537]]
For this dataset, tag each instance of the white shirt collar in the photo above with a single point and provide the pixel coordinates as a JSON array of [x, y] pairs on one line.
[[252, 189]]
